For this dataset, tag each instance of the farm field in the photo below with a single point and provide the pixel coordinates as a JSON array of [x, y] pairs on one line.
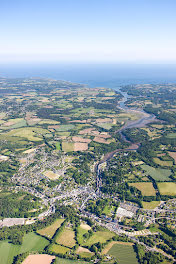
[[167, 188], [68, 261], [99, 236], [150, 205], [146, 188], [49, 231], [58, 249], [66, 238], [31, 242], [51, 175], [173, 155], [84, 252], [123, 253], [166, 163], [38, 259], [156, 173]]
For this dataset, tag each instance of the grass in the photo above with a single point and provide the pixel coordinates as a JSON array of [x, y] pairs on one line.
[[123, 253], [66, 238], [29, 132], [146, 188], [63, 128], [171, 135], [163, 162], [81, 232], [68, 261], [150, 205], [106, 126], [58, 249], [49, 231], [31, 242], [99, 236], [156, 173], [167, 188]]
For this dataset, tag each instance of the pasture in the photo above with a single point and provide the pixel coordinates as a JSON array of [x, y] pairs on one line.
[[123, 253], [31, 242], [84, 252], [49, 231], [99, 236], [67, 146], [161, 162], [146, 188], [31, 133], [167, 188], [69, 261], [156, 173]]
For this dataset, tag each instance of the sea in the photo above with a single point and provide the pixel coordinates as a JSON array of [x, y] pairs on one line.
[[94, 74]]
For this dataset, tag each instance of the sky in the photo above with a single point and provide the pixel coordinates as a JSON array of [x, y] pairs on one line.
[[116, 31]]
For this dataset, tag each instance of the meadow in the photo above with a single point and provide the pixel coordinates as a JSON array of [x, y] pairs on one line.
[[31, 242], [167, 188], [150, 205], [66, 238], [156, 173], [99, 236], [58, 249], [49, 231], [124, 254], [146, 188]]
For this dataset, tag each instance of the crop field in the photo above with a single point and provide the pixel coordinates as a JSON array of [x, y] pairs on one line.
[[84, 252], [146, 188], [106, 126], [66, 238], [167, 188], [109, 245], [163, 162], [31, 242], [58, 249], [49, 231], [63, 128], [156, 173], [99, 236], [150, 205], [123, 253], [39, 259]]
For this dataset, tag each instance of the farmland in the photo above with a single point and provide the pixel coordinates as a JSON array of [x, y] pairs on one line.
[[156, 173], [99, 236], [66, 238], [146, 188], [123, 253], [167, 188], [49, 231]]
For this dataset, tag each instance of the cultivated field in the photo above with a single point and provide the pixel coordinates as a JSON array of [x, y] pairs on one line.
[[68, 261], [84, 252], [146, 188], [156, 173], [173, 155], [49, 231], [166, 163], [109, 246], [167, 188], [38, 259], [66, 238], [123, 253]]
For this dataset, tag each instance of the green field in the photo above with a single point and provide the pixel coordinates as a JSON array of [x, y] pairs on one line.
[[167, 188], [58, 249], [171, 135], [81, 232], [150, 205], [49, 231], [68, 261], [99, 236], [156, 173], [163, 162], [63, 128], [31, 242], [123, 253], [31, 133]]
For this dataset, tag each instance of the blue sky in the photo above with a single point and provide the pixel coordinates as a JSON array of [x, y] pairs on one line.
[[119, 31]]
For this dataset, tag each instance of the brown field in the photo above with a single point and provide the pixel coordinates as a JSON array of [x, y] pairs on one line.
[[100, 140], [51, 175], [173, 155], [78, 146], [29, 150], [109, 246], [38, 259], [86, 131], [85, 226], [80, 139], [82, 249], [146, 188]]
